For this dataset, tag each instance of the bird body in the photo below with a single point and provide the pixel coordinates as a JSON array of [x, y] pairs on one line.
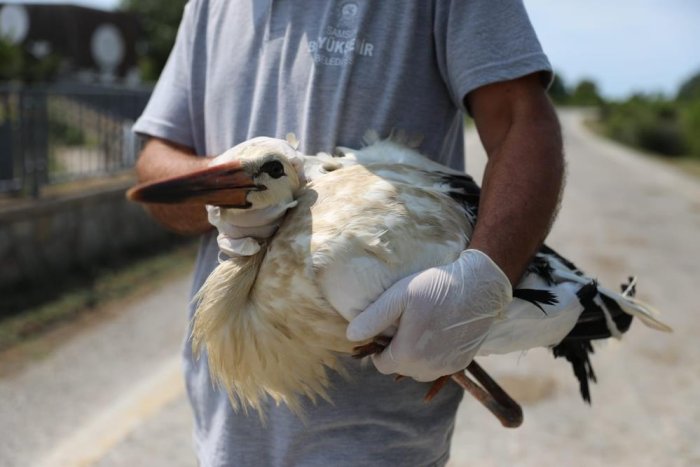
[[274, 323], [323, 266]]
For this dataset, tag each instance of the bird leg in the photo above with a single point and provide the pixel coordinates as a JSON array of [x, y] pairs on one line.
[[489, 393], [377, 345], [438, 384]]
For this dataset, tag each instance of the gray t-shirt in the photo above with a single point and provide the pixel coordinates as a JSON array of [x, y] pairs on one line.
[[329, 70]]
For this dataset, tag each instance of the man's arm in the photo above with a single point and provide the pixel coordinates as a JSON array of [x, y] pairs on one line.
[[160, 159], [445, 313], [523, 179]]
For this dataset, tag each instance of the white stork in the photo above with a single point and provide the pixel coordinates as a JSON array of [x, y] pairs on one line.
[[273, 322]]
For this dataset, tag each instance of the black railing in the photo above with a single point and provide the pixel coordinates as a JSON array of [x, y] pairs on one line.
[[57, 134]]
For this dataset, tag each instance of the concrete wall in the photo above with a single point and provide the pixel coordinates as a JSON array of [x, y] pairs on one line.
[[42, 239]]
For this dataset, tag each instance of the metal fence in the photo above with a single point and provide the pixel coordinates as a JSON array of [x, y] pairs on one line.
[[57, 134]]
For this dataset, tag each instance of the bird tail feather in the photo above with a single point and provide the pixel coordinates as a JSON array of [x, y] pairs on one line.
[[646, 313]]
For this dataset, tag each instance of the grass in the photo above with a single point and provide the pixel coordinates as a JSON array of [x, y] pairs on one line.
[[133, 279]]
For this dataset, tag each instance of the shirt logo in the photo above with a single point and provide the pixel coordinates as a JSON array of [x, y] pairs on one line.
[[348, 11], [338, 44]]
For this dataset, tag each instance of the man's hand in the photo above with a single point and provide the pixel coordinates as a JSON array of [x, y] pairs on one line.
[[444, 314]]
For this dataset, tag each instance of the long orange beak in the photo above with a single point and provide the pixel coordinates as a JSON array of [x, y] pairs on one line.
[[226, 185]]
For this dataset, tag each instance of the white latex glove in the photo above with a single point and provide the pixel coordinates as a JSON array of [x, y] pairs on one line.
[[240, 229], [443, 315]]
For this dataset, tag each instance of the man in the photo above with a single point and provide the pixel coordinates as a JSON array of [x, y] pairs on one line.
[[328, 71]]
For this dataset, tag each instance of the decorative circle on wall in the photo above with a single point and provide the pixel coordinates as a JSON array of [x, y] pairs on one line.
[[14, 23], [107, 46]]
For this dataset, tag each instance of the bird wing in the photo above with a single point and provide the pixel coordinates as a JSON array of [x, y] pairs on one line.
[[527, 323], [405, 223]]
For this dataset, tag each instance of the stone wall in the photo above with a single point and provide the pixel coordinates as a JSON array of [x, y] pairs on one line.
[[46, 238]]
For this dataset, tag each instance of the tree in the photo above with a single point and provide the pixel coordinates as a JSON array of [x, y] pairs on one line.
[[11, 60], [586, 93], [159, 20], [17, 64], [558, 91], [690, 89]]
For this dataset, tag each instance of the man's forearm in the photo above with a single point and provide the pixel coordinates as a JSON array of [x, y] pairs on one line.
[[520, 194], [161, 159], [522, 183]]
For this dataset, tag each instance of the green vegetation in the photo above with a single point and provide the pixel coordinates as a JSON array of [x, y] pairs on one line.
[[662, 125], [10, 60], [159, 20], [584, 94], [649, 123], [16, 64], [63, 134]]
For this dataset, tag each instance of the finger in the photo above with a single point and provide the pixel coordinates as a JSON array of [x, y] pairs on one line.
[[379, 316], [385, 362]]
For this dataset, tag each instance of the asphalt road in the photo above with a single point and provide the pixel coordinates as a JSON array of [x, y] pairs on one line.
[[112, 394], [622, 213]]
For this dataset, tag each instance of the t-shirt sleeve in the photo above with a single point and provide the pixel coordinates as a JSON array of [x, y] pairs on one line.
[[480, 42], [168, 114]]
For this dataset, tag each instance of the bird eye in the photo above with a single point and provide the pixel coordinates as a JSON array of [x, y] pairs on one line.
[[274, 169]]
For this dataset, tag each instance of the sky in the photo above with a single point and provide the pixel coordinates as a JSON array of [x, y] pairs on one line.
[[626, 46]]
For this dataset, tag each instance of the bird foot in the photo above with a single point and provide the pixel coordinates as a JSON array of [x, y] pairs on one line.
[[488, 392]]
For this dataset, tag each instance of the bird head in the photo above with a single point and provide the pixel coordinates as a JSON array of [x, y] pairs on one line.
[[256, 174]]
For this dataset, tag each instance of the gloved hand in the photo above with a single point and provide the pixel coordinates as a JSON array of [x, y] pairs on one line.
[[443, 314]]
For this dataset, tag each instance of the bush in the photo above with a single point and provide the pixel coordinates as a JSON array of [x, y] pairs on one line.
[[586, 94], [663, 137], [670, 127], [690, 89], [651, 124], [11, 60], [690, 120], [63, 134], [16, 64], [159, 20], [558, 91]]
